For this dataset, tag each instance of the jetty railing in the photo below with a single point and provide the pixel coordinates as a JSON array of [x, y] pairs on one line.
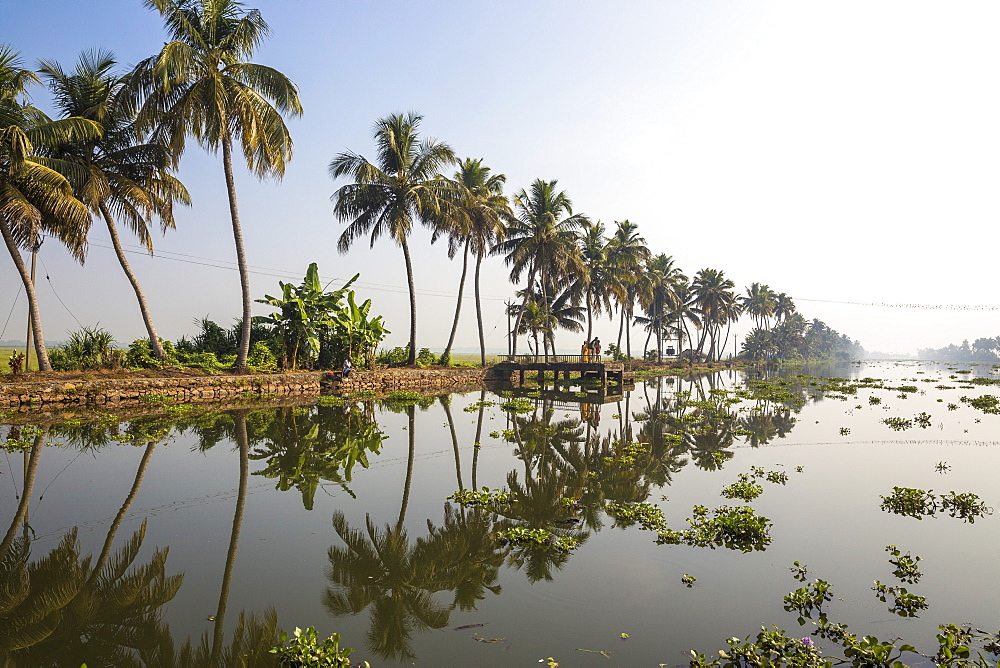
[[551, 359]]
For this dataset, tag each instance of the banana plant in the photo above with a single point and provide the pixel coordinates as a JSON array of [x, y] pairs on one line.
[[363, 335], [304, 314]]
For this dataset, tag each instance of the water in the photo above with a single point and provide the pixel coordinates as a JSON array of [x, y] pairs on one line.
[[342, 522]]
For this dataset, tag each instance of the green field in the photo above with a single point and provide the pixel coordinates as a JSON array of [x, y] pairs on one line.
[[5, 354]]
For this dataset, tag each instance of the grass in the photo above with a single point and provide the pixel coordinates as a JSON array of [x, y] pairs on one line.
[[5, 354]]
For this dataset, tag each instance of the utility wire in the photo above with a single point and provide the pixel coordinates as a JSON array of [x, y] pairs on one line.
[[278, 273], [57, 294], [4, 331]]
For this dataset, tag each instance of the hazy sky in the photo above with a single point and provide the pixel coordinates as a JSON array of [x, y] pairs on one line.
[[845, 153]]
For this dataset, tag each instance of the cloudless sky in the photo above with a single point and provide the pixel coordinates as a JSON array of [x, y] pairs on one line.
[[844, 153]]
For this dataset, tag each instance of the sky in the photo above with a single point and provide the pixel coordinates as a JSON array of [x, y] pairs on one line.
[[843, 153]]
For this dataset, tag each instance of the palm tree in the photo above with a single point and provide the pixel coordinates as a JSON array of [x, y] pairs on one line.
[[482, 213], [35, 196], [541, 240], [387, 197], [200, 84], [716, 302], [123, 176], [662, 297], [759, 303], [783, 306], [628, 252], [602, 279]]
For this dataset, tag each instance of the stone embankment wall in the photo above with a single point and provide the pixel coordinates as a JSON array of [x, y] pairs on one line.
[[137, 391], [381, 381], [126, 391]]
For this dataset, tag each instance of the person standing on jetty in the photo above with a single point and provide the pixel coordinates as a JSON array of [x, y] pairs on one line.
[[596, 347], [585, 352]]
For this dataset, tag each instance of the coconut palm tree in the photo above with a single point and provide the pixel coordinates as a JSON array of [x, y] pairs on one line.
[[628, 252], [35, 195], [662, 296], [200, 84], [783, 306], [541, 242], [482, 213], [125, 179], [387, 197], [759, 302], [716, 303], [603, 279]]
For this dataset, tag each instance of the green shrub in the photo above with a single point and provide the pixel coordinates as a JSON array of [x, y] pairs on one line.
[[88, 348]]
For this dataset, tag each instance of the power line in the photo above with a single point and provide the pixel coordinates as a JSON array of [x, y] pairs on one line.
[[57, 294], [925, 307], [4, 331], [279, 273]]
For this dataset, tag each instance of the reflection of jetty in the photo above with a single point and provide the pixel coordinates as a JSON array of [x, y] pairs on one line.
[[588, 367], [599, 395]]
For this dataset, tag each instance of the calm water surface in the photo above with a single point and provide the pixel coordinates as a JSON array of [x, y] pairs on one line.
[[341, 521]]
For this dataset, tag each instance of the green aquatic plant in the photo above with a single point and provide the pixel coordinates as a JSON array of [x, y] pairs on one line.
[[904, 603], [732, 527], [965, 506], [805, 600], [628, 513], [744, 489], [987, 403], [306, 651], [906, 566], [537, 537], [519, 405], [910, 501], [487, 497], [898, 423]]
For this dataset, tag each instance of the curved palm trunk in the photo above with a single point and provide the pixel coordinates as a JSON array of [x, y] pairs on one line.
[[411, 454], [621, 327], [147, 319], [243, 350], [29, 486], [412, 359], [446, 357], [479, 312], [628, 335], [136, 483], [243, 441], [29, 289]]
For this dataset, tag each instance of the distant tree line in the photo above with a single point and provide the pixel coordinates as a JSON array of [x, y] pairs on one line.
[[981, 350]]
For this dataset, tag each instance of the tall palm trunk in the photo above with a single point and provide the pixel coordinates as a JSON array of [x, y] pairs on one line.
[[29, 289], [628, 334], [243, 440], [147, 319], [412, 359], [29, 487], [479, 313], [241, 259], [520, 313], [590, 316], [446, 357]]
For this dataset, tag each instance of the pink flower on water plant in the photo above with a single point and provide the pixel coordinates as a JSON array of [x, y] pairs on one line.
[[807, 642]]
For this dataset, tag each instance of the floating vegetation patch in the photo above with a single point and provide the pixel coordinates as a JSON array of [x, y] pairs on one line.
[[906, 566], [628, 513], [805, 600], [732, 527], [920, 503], [330, 400], [519, 405], [898, 423], [475, 406], [904, 603], [744, 489], [987, 403], [536, 537], [487, 497]]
